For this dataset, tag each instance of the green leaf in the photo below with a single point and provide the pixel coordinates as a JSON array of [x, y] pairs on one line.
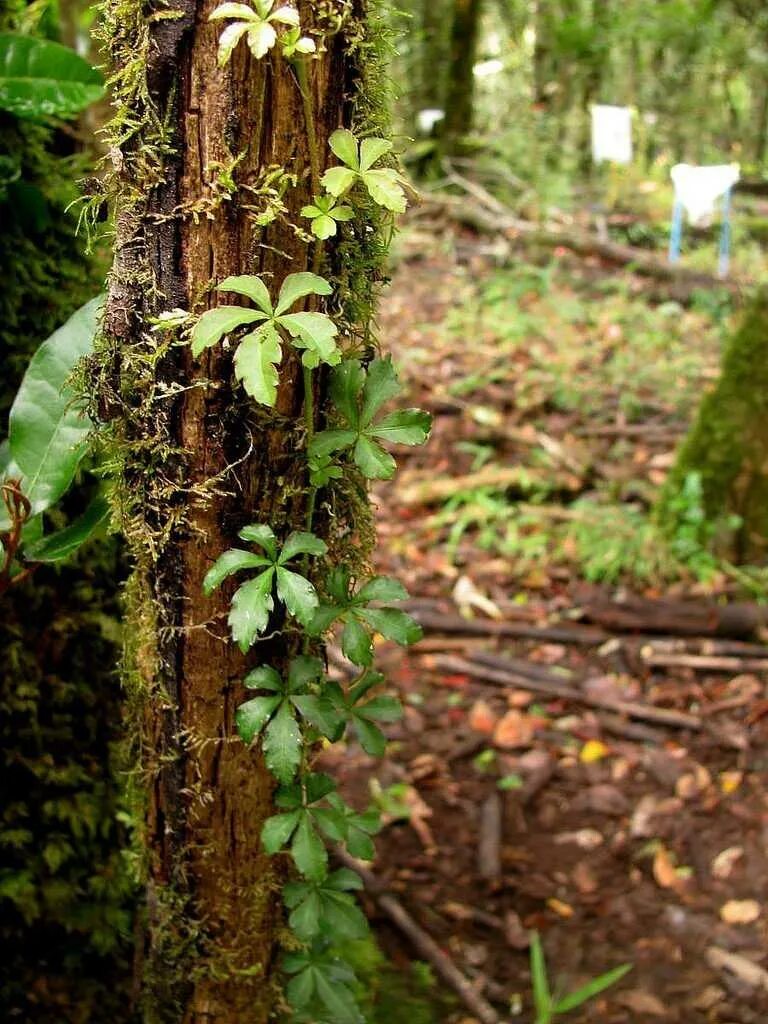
[[406, 426], [253, 715], [297, 594], [372, 150], [347, 380], [298, 543], [591, 989], [308, 850], [234, 10], [315, 332], [393, 624], [323, 619], [338, 1000], [542, 998], [264, 678], [301, 988], [338, 180], [302, 671], [230, 562], [298, 286], [47, 428], [329, 441], [251, 605], [382, 709], [278, 829], [372, 739], [374, 463], [41, 79], [381, 384], [381, 588], [256, 359], [344, 880], [230, 37], [357, 643], [251, 286], [58, 546], [323, 227], [305, 919], [343, 144], [215, 323], [282, 744], [318, 785], [263, 535], [319, 712], [385, 189]]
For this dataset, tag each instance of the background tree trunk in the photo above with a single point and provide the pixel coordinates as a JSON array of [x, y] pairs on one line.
[[727, 445], [199, 461], [461, 80]]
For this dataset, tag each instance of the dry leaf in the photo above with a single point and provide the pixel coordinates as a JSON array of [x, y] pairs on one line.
[[560, 908], [467, 596], [514, 730], [740, 911], [482, 718], [592, 751], [664, 870], [639, 1001], [724, 863]]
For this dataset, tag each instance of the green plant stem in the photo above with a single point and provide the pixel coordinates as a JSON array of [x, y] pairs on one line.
[[300, 66]]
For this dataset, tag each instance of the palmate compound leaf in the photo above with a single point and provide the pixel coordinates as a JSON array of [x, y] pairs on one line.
[[299, 286], [230, 562], [297, 594], [358, 395], [326, 907], [282, 744]]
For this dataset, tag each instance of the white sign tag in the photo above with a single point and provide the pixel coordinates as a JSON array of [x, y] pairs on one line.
[[611, 134]]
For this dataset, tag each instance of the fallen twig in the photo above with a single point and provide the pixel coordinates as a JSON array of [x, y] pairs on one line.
[[440, 622], [494, 670], [424, 944], [489, 844], [703, 662], [432, 492]]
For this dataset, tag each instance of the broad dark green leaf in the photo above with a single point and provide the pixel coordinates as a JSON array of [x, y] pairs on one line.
[[58, 546], [328, 441], [41, 79], [264, 678], [47, 428]]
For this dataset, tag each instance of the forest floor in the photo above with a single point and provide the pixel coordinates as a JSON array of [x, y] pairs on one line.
[[559, 393]]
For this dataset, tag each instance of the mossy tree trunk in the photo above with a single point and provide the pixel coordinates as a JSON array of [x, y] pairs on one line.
[[459, 102], [727, 446], [194, 147]]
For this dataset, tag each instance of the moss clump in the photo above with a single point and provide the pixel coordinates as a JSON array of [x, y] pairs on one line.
[[727, 447]]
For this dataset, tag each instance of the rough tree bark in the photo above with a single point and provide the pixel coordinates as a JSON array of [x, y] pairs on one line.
[[192, 147]]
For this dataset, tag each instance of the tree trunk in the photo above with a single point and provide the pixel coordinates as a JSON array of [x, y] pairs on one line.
[[727, 448], [199, 460], [459, 101]]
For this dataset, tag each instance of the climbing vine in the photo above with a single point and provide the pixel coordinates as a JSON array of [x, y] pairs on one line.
[[298, 584]]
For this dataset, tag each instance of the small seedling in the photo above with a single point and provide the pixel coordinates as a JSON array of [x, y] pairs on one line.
[[549, 1006]]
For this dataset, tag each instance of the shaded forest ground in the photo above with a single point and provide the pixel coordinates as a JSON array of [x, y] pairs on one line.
[[559, 394]]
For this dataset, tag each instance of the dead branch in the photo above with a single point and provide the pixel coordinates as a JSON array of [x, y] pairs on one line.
[[424, 944]]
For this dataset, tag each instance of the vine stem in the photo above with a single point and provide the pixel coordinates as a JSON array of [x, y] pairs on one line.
[[300, 66]]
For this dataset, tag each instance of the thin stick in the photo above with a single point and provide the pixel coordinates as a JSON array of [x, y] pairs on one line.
[[424, 944], [507, 677]]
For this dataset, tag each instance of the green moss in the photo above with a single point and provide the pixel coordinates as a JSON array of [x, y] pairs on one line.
[[727, 447]]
